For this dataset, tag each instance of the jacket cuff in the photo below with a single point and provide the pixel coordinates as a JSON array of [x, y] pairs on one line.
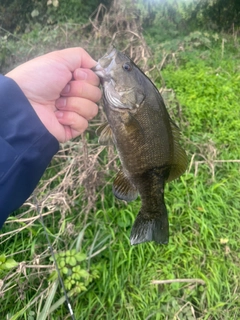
[[27, 147]]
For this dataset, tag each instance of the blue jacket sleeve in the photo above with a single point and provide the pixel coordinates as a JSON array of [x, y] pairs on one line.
[[26, 148]]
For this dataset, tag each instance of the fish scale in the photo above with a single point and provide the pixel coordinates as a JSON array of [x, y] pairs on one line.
[[147, 141]]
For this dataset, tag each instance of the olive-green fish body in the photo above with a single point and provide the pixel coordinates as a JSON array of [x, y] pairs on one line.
[[146, 139]]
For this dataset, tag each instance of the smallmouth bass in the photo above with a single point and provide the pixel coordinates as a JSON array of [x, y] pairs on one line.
[[147, 141]]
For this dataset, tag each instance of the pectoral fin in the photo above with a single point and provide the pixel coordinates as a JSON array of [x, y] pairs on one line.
[[123, 188], [105, 134]]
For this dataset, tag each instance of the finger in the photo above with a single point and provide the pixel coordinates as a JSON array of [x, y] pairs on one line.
[[71, 133], [72, 120], [75, 58], [86, 75], [79, 106], [82, 89]]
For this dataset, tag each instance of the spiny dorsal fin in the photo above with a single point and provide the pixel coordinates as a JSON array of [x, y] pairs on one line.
[[179, 161], [104, 132], [123, 188]]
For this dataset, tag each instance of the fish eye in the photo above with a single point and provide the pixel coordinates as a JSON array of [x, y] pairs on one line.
[[127, 66]]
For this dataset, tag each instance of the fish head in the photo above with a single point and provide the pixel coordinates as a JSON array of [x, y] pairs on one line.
[[122, 81]]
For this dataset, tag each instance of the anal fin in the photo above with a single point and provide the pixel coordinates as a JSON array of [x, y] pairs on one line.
[[123, 188]]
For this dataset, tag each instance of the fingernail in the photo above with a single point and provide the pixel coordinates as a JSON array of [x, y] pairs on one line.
[[59, 114], [81, 74], [61, 103], [66, 89]]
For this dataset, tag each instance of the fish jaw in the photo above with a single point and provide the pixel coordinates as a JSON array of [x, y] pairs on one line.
[[113, 97], [119, 90], [99, 70], [101, 73], [105, 65], [111, 55]]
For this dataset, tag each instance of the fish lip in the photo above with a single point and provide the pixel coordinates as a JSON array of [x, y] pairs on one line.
[[103, 72], [112, 52], [99, 70]]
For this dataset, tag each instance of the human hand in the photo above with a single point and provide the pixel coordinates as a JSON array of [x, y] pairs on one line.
[[62, 90]]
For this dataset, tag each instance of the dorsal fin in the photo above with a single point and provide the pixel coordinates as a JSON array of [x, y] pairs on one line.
[[179, 161]]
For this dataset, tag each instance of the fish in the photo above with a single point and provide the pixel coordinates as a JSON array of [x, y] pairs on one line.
[[146, 139]]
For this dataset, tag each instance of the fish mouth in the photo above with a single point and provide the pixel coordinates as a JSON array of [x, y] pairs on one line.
[[111, 53], [99, 70], [104, 65], [103, 70]]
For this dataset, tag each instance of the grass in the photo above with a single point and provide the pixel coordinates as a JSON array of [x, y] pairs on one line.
[[82, 213], [203, 244]]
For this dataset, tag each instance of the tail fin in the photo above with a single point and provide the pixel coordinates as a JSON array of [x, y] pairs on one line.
[[149, 227]]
